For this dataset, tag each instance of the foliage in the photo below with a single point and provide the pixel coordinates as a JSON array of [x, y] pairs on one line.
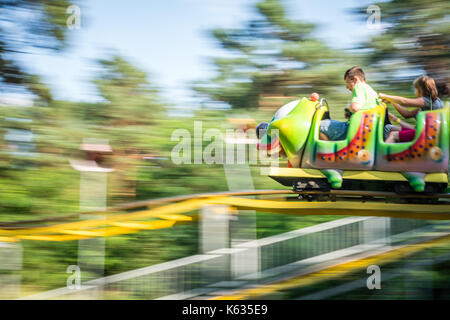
[[27, 25], [414, 39], [268, 62], [272, 60]]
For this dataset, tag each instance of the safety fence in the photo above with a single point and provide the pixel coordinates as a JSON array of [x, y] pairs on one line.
[[220, 269]]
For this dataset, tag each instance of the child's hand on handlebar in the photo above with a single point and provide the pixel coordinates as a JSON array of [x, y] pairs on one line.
[[348, 113], [384, 97]]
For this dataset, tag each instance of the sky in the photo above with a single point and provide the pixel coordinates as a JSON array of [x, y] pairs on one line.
[[169, 40]]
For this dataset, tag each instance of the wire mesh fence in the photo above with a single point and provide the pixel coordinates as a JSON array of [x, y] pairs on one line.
[[186, 277]]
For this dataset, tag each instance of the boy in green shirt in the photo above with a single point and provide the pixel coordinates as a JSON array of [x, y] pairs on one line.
[[363, 97]]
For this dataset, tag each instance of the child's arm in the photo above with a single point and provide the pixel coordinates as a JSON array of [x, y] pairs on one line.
[[357, 99], [402, 123], [416, 102], [405, 112], [354, 107]]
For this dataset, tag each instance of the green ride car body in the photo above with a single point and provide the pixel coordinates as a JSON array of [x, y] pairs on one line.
[[364, 147]]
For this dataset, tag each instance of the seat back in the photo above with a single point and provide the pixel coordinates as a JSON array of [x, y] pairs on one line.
[[355, 152], [428, 152]]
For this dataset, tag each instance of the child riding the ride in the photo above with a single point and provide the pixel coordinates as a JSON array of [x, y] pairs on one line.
[[363, 98], [426, 99]]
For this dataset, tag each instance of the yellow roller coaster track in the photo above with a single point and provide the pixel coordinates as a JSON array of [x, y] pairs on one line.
[[166, 212]]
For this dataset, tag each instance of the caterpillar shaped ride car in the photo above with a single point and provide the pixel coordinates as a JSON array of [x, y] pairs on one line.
[[363, 161]]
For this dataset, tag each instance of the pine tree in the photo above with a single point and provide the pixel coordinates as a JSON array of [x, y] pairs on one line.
[[271, 61], [27, 26], [414, 39]]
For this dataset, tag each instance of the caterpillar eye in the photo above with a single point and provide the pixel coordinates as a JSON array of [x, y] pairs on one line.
[[435, 153], [363, 155], [261, 129]]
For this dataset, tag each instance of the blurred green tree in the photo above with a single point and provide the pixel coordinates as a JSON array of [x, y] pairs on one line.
[[414, 38], [129, 111], [26, 26], [271, 61], [130, 98], [41, 181]]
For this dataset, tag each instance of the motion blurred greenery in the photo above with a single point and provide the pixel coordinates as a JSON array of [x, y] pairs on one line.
[[271, 61]]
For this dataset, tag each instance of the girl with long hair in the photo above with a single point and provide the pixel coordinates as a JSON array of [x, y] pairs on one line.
[[427, 98]]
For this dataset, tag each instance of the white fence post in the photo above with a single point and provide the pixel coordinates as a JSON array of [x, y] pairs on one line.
[[10, 266], [243, 230], [93, 197], [214, 226], [376, 231]]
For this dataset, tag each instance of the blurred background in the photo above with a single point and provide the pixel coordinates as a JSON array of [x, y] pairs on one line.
[[129, 73]]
